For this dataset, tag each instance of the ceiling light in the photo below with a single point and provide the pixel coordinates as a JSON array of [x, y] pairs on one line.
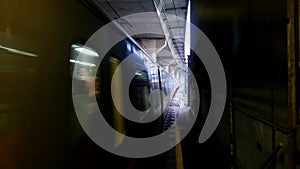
[[82, 63], [86, 51]]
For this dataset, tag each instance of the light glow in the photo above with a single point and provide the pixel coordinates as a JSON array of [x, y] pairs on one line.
[[86, 51], [82, 63], [138, 74], [18, 51], [187, 40]]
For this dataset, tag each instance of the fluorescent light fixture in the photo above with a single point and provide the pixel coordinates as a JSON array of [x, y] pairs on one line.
[[86, 51], [188, 32], [75, 46], [18, 51], [128, 46], [82, 63], [138, 74]]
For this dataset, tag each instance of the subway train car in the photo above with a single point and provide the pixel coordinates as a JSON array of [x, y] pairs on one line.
[[126, 60], [39, 43], [150, 86]]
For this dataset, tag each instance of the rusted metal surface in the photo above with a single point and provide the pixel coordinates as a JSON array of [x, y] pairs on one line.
[[291, 65]]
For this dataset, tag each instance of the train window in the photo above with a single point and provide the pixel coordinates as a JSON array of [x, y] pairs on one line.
[[128, 46], [84, 58], [139, 91]]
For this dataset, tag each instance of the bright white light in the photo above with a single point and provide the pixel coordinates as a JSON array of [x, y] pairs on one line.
[[82, 63], [87, 51], [18, 51], [187, 40], [128, 46], [138, 74]]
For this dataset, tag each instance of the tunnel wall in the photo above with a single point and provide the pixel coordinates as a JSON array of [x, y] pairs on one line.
[[251, 38]]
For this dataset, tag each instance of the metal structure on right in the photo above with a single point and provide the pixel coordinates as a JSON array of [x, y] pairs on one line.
[[258, 42]]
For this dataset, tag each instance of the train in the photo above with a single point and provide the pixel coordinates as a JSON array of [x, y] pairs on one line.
[[150, 90], [101, 82]]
